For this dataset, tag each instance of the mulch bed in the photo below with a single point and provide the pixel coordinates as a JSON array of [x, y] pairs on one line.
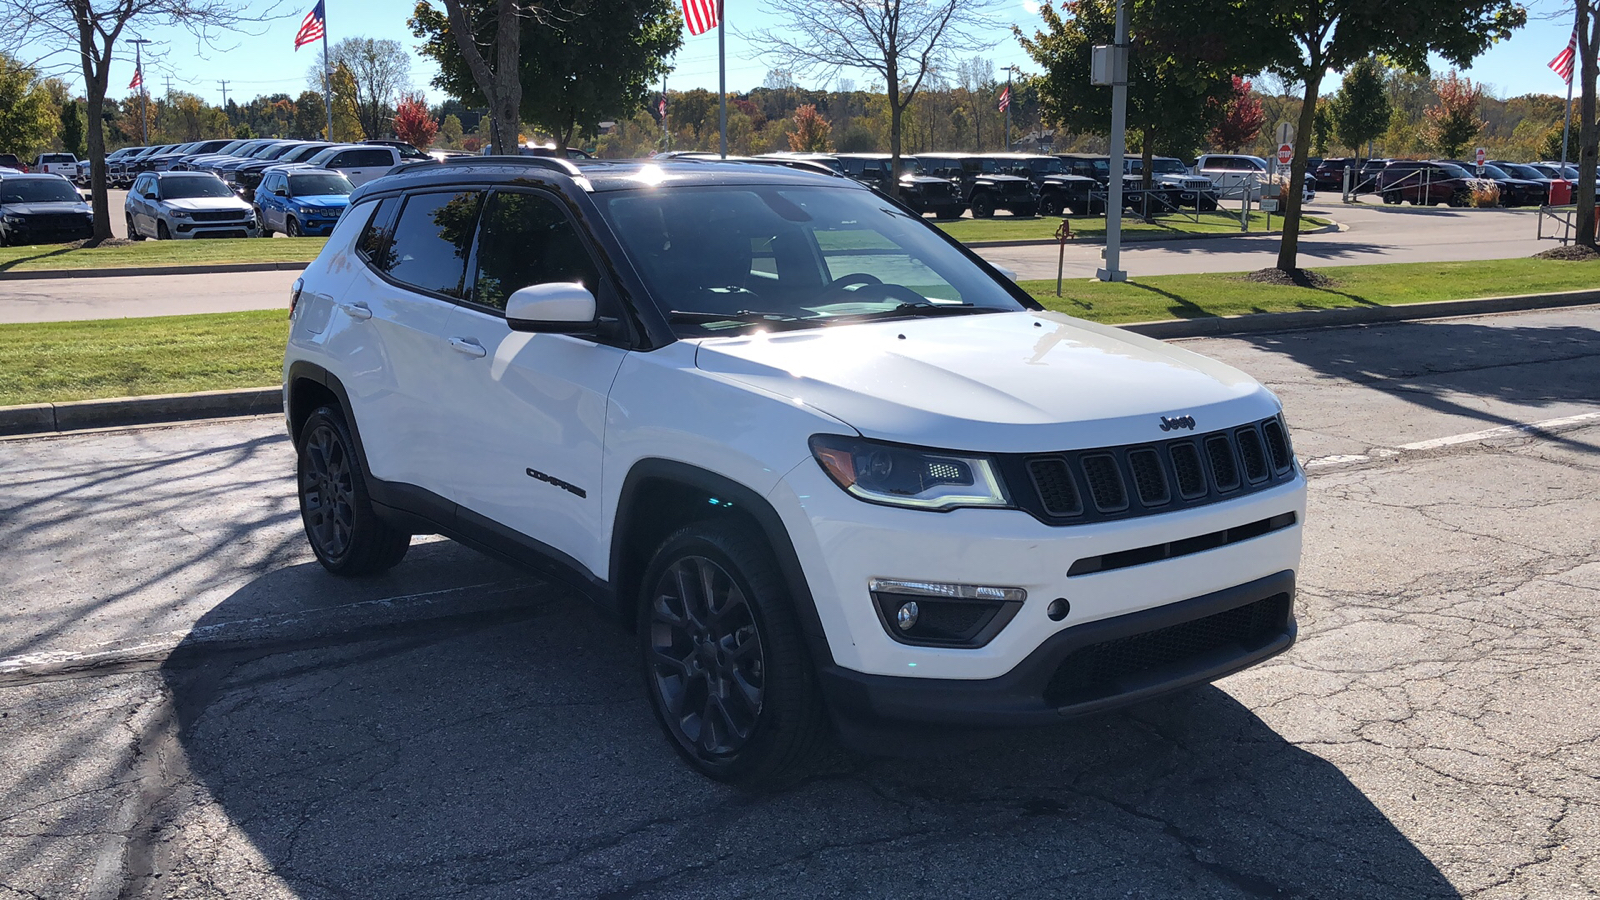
[[1297, 278], [1570, 253]]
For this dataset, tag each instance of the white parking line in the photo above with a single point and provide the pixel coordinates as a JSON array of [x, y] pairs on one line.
[[1548, 426]]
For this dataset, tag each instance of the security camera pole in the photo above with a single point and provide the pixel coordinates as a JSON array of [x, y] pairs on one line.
[[1110, 66]]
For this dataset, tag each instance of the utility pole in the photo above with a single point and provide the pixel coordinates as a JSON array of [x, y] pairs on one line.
[[224, 94], [138, 66], [169, 87], [722, 79], [1119, 145]]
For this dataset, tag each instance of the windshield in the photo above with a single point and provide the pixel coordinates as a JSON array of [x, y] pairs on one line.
[[908, 165], [300, 154], [37, 190], [321, 184], [1494, 172], [1455, 171], [1048, 165], [987, 166], [1528, 172], [277, 151], [731, 257], [188, 188]]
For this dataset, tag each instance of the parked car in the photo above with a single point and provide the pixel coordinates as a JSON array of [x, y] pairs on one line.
[[922, 192], [1235, 176], [301, 201], [198, 162], [226, 169], [1328, 174], [63, 164], [983, 188], [42, 209], [1170, 173], [247, 177], [1426, 183], [144, 160], [198, 149], [10, 161], [1557, 191], [117, 165], [408, 152], [360, 163], [1059, 191], [1098, 167], [1514, 191], [703, 406], [167, 205]]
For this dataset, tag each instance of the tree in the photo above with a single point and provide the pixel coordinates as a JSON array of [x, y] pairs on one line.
[[1180, 69], [28, 121], [1322, 128], [414, 124], [1361, 108], [380, 72], [1454, 122], [483, 30], [811, 131], [82, 35], [310, 115], [1309, 37], [72, 128], [451, 132], [899, 41], [1241, 120], [587, 62]]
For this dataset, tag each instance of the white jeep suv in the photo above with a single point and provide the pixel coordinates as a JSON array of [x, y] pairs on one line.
[[833, 470]]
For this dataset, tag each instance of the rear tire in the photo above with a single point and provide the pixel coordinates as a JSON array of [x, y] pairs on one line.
[[982, 205], [725, 663], [1392, 198], [345, 533]]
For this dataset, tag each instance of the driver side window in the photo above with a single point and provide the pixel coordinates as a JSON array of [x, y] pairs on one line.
[[525, 239]]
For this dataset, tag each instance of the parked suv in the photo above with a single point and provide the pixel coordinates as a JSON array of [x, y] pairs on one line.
[[166, 205], [1426, 183], [1180, 186], [360, 163], [63, 164], [42, 209], [922, 192], [828, 466], [1060, 191], [983, 188], [299, 201]]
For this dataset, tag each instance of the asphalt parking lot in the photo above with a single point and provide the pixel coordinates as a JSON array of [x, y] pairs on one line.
[[191, 708]]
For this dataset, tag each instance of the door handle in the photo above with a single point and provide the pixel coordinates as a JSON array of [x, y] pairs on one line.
[[357, 311], [468, 346]]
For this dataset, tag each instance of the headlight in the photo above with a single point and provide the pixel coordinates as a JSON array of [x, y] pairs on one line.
[[12, 220], [909, 476], [178, 213], [309, 211]]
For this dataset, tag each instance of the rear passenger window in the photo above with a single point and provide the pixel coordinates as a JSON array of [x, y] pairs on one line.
[[525, 239], [431, 239], [374, 241], [361, 159]]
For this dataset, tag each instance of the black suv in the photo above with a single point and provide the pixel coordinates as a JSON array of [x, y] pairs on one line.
[[1060, 191], [921, 192], [984, 188], [1515, 190], [42, 209], [1098, 167]]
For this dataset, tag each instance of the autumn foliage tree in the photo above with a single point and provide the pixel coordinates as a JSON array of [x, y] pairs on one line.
[[1242, 118], [1454, 123], [414, 124], [811, 131]]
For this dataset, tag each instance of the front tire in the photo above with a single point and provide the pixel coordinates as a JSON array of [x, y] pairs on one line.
[[1051, 206], [162, 233], [345, 533], [982, 205], [725, 664], [291, 227], [133, 230]]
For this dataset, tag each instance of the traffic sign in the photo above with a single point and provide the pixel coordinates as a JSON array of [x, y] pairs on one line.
[[1481, 155], [1285, 133], [1285, 154]]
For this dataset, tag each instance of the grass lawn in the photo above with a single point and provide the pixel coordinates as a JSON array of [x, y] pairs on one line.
[[1006, 228], [56, 361], [159, 253], [1198, 296], [130, 357]]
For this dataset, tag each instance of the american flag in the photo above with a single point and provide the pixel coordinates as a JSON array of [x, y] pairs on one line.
[[1005, 99], [138, 80], [700, 15], [311, 28], [1562, 64]]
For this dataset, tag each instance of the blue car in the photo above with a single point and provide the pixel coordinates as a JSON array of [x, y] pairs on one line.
[[301, 202]]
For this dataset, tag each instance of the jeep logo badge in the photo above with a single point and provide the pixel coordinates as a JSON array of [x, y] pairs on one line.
[[1173, 423]]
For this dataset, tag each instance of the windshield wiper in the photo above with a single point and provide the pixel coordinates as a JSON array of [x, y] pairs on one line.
[[743, 315], [919, 309]]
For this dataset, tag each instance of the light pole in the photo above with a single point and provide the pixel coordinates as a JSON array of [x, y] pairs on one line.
[[138, 66], [1010, 70], [1116, 75]]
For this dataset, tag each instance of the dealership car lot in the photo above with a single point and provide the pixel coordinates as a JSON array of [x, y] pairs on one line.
[[459, 727]]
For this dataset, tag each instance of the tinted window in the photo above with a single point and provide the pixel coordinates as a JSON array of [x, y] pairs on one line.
[[319, 184], [187, 188], [526, 240], [374, 240], [37, 190], [431, 240], [366, 158], [1453, 172]]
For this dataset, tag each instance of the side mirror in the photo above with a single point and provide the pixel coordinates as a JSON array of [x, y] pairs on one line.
[[1006, 272], [280, 192], [559, 308], [150, 195]]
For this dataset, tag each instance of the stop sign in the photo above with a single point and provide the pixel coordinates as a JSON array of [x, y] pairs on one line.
[[1285, 154], [1481, 154]]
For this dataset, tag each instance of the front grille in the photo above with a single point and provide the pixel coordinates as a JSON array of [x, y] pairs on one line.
[[1115, 666], [58, 222], [226, 215], [1144, 479]]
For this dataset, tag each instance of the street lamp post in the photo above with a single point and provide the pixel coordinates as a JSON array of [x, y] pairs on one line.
[[138, 66]]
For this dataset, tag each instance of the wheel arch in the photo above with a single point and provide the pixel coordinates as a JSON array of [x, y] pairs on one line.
[[660, 495], [309, 386]]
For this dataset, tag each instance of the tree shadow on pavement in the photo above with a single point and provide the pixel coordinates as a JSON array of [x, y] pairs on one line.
[[1482, 372], [512, 754]]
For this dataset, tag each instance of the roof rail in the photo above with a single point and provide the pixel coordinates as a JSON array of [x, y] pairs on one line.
[[563, 166]]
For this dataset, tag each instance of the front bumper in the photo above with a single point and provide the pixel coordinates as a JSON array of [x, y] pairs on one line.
[[31, 233], [1092, 667], [180, 228]]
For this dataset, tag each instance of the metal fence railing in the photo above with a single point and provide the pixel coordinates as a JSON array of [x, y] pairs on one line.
[[1561, 222]]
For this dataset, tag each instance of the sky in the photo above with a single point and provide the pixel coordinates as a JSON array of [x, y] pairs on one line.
[[264, 61]]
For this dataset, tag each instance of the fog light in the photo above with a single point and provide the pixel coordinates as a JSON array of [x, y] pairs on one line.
[[1058, 609], [906, 618]]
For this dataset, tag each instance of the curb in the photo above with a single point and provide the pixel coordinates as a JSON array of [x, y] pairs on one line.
[[1173, 329], [45, 418], [81, 415], [1330, 228], [129, 272]]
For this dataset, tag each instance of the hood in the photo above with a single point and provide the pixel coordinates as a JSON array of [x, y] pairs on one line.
[[1069, 179], [198, 204], [322, 201], [1004, 382], [1000, 179], [923, 179], [53, 208]]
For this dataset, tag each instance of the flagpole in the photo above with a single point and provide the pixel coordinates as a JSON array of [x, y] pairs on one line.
[[722, 78], [1008, 108], [327, 77]]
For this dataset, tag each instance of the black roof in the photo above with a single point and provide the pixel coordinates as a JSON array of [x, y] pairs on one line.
[[596, 175]]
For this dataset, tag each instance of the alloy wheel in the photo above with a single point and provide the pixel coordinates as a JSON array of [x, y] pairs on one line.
[[705, 658], [327, 484]]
